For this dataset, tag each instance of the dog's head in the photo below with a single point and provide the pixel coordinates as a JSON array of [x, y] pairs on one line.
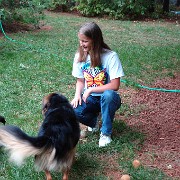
[[53, 100]]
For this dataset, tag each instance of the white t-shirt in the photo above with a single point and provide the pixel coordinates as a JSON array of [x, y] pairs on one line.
[[111, 68]]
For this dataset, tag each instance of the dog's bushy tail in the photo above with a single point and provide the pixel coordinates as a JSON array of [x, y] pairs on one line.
[[20, 145]]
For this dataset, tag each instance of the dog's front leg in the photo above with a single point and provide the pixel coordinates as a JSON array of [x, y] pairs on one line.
[[48, 175], [65, 174]]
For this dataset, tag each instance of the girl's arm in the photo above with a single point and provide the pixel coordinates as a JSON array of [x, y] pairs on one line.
[[79, 89]]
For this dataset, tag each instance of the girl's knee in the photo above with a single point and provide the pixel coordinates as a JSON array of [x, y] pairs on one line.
[[110, 96]]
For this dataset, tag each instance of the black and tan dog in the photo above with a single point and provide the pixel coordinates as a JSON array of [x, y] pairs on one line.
[[54, 147]]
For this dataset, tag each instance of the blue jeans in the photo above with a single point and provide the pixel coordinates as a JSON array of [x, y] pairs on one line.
[[108, 103]]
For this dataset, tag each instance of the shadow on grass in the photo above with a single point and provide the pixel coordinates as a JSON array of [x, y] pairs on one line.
[[86, 167], [123, 135]]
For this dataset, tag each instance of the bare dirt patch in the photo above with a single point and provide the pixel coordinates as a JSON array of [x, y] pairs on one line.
[[16, 27], [160, 121]]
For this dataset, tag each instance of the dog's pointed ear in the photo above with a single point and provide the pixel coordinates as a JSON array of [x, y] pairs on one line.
[[2, 119]]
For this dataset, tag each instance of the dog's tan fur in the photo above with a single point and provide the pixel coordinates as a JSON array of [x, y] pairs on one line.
[[19, 150]]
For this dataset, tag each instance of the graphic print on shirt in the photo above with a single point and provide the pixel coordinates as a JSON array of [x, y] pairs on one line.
[[94, 76]]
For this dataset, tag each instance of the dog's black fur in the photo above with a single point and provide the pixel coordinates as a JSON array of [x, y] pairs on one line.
[[56, 140], [2, 119]]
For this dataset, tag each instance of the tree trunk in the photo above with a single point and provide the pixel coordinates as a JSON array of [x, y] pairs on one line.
[[178, 3], [166, 6], [151, 6]]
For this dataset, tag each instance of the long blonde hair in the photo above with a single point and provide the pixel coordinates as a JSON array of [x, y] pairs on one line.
[[93, 31]]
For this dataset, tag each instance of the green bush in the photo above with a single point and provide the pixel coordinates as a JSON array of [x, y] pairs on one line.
[[61, 5], [129, 8], [30, 12], [27, 15], [116, 9], [92, 7]]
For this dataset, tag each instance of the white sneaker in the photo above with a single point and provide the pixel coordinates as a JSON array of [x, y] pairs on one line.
[[104, 140], [95, 129]]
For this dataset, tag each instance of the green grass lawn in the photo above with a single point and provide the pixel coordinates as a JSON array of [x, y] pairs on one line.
[[148, 51]]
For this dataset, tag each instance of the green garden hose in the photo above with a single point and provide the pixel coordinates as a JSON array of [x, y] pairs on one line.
[[10, 39], [152, 89]]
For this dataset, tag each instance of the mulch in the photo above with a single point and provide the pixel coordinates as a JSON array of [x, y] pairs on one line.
[[159, 120]]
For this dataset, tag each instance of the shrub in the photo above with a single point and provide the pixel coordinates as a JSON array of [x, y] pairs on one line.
[[25, 11], [61, 5], [92, 7], [116, 9]]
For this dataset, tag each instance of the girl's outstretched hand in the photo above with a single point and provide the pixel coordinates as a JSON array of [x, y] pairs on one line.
[[76, 101]]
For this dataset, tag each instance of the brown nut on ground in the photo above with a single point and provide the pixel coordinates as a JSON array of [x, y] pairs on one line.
[[125, 177], [136, 163]]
